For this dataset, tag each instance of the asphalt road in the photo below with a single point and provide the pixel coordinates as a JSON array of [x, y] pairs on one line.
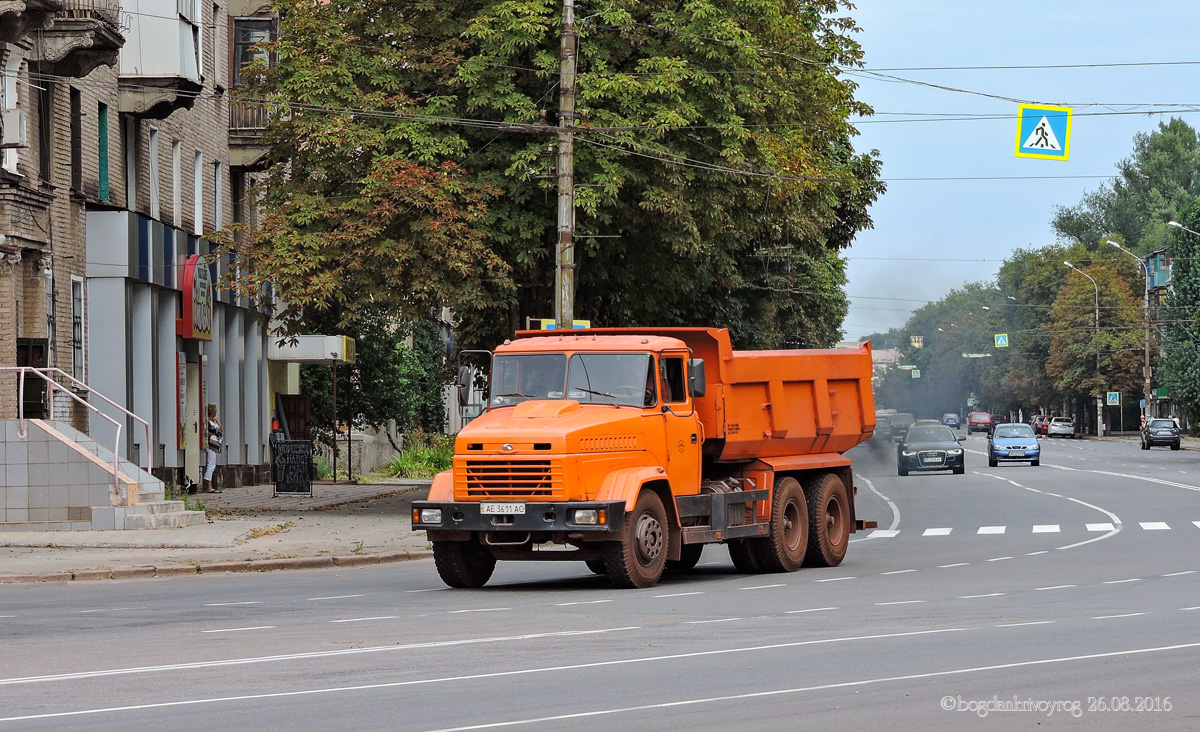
[[1069, 593]]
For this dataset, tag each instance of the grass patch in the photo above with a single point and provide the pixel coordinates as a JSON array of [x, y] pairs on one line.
[[261, 531], [424, 456]]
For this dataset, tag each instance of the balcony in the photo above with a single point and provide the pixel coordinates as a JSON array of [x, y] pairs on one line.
[[19, 18], [84, 35], [247, 121], [160, 65]]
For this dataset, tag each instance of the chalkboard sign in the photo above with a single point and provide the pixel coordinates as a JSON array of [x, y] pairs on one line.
[[292, 461]]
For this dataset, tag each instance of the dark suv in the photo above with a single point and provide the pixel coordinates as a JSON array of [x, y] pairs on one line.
[[898, 425], [1160, 432]]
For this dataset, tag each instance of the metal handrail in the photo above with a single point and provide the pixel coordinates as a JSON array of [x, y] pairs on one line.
[[126, 412], [22, 433]]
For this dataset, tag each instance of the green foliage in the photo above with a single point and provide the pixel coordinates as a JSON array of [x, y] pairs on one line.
[[390, 379], [385, 204], [324, 468], [1180, 368], [1152, 187], [424, 456]]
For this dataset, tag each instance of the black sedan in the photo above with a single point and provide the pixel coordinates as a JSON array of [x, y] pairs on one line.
[[930, 447]]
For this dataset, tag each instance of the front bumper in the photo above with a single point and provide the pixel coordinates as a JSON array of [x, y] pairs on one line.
[[913, 463], [1006, 456], [539, 517]]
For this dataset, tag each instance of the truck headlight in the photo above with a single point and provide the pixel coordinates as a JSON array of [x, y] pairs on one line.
[[587, 516], [431, 515]]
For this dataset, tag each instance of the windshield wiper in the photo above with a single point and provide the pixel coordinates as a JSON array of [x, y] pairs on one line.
[[515, 393]]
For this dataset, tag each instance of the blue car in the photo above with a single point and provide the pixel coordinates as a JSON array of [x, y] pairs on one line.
[[1013, 442], [950, 419]]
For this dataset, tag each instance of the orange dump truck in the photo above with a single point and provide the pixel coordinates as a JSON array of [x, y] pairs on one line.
[[630, 449]]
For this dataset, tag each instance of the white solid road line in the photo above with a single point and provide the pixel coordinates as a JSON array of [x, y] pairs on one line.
[[303, 656], [238, 630], [503, 674], [1154, 525]]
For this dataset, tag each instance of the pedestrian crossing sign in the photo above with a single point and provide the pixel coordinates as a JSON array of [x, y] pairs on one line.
[[1001, 340], [916, 373], [1114, 398], [1043, 131]]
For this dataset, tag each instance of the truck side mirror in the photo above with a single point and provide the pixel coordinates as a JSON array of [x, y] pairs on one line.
[[464, 385], [696, 377]]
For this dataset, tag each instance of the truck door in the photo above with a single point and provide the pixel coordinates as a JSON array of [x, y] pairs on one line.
[[682, 425]]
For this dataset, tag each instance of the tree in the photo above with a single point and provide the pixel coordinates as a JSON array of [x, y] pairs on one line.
[[1152, 186], [410, 166], [1180, 319]]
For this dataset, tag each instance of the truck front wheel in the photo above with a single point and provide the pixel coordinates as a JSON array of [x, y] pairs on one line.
[[639, 557], [689, 557], [829, 521], [785, 546], [463, 564], [744, 556]]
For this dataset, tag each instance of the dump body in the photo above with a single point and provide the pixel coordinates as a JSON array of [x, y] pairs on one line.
[[638, 446]]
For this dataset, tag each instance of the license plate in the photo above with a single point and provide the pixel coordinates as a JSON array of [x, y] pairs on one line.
[[1016, 453], [501, 509]]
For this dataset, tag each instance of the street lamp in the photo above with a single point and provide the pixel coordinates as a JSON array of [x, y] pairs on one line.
[[1178, 225], [1099, 396], [1146, 318]]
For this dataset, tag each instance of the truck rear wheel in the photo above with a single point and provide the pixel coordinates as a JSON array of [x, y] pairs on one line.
[[745, 558], [638, 559], [785, 546], [829, 521], [463, 564], [689, 557]]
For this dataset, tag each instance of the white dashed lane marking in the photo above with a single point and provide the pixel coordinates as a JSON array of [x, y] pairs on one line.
[[238, 630], [884, 533], [937, 532], [991, 530], [1154, 525], [1101, 527], [1046, 529]]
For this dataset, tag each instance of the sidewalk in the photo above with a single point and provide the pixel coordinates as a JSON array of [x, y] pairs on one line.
[[248, 529]]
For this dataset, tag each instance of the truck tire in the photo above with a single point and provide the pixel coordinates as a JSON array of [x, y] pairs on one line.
[[828, 521], [787, 542], [639, 557], [744, 556], [689, 557], [463, 564], [597, 566]]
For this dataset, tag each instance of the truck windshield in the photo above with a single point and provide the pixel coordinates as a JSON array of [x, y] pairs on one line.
[[591, 378]]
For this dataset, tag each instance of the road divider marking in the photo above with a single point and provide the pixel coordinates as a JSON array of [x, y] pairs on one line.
[[998, 559], [1154, 525], [679, 594], [762, 587], [956, 564], [883, 533], [976, 597], [1053, 587], [718, 620], [99, 610], [991, 530], [901, 602], [1112, 617], [1022, 625], [937, 532], [224, 604], [1034, 554], [1180, 574], [333, 597], [359, 620], [891, 505], [582, 602], [1105, 526], [239, 630], [479, 610], [835, 579], [809, 610], [1197, 524], [1047, 528], [899, 571], [1121, 582]]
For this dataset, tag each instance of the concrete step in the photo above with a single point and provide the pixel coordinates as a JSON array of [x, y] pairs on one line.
[[168, 520]]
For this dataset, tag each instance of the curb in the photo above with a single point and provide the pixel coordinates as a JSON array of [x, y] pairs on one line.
[[257, 565]]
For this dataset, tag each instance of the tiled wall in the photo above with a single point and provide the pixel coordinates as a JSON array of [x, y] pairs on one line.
[[44, 479]]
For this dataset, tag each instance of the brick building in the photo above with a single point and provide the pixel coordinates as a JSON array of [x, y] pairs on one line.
[[107, 202]]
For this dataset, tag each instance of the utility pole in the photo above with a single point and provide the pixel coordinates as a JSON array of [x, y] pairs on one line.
[[564, 258]]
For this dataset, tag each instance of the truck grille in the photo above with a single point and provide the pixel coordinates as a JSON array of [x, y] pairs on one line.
[[511, 478], [603, 444]]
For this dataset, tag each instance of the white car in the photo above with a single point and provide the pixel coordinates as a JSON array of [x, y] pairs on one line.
[[1061, 427]]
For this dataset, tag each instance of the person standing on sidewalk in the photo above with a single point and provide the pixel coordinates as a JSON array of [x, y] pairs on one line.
[[215, 444]]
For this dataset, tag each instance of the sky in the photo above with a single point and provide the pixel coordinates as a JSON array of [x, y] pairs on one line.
[[933, 236]]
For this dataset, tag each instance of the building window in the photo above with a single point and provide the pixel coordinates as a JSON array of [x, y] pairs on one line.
[[45, 112], [76, 141], [247, 34], [154, 173], [8, 92], [129, 130], [77, 328], [198, 194], [218, 189], [102, 147], [177, 183]]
